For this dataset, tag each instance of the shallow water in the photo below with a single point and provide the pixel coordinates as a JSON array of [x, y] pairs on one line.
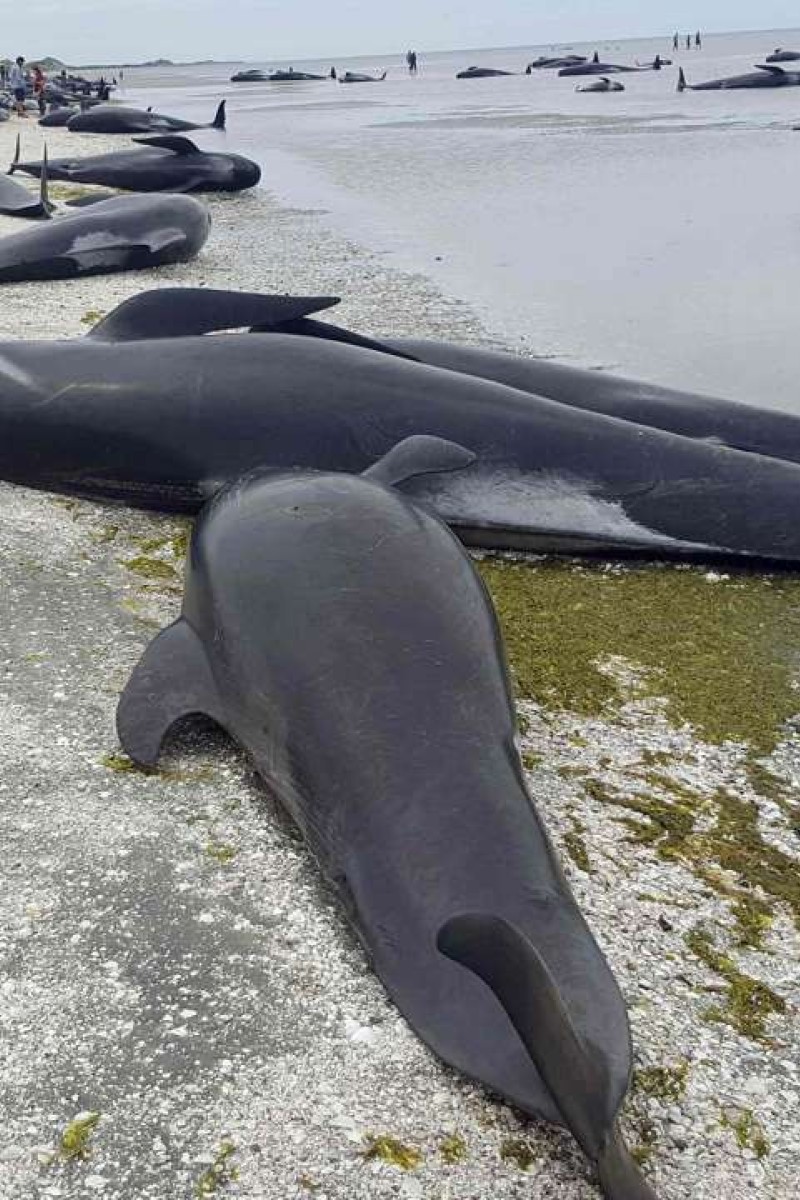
[[647, 232]]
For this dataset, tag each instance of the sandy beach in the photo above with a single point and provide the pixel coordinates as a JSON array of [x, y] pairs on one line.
[[179, 992]]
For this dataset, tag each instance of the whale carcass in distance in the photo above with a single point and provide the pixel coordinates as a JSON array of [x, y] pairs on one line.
[[359, 77], [765, 76], [601, 85], [303, 585], [481, 73]]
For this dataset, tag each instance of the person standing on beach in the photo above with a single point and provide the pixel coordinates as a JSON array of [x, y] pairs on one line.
[[39, 81], [411, 59], [697, 41], [17, 83], [675, 41], [688, 41]]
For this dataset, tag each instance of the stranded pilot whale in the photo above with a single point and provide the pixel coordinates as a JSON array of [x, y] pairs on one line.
[[765, 76], [113, 118], [344, 639], [166, 163], [109, 416], [125, 233], [735, 424]]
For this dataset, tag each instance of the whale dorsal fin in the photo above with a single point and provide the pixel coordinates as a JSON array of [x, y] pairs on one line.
[[182, 312], [44, 196], [573, 1070], [170, 681], [170, 141], [15, 160], [418, 455]]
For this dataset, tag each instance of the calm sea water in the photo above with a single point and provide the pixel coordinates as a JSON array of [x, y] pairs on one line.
[[648, 232]]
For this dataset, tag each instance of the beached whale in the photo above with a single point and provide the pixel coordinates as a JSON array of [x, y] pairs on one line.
[[481, 73], [547, 476], [543, 63], [408, 789], [599, 68], [734, 424], [58, 117], [251, 76], [126, 233], [764, 76], [166, 163], [291, 76], [601, 85], [358, 77], [113, 118], [781, 56]]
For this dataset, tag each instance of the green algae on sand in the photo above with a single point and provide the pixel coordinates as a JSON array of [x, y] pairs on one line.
[[384, 1148], [720, 649]]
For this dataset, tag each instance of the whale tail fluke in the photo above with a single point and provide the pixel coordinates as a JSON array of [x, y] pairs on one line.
[[618, 1173], [573, 1070], [219, 116], [681, 80], [15, 161]]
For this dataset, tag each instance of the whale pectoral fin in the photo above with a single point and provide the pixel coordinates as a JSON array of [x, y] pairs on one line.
[[170, 141], [419, 455], [171, 680], [574, 1071], [182, 312]]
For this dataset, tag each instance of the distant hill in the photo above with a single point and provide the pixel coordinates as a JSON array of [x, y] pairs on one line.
[[47, 64]]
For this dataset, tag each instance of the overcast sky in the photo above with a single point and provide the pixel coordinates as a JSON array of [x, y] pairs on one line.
[[108, 31]]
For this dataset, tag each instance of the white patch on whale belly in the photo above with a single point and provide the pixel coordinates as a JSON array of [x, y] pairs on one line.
[[537, 502]]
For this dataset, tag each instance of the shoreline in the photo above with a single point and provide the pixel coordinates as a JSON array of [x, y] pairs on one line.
[[170, 956]]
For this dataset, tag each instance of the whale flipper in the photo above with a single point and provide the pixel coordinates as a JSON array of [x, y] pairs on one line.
[[182, 312], [575, 1072], [419, 455], [170, 681]]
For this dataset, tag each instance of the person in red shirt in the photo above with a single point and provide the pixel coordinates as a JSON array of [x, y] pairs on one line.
[[39, 82]]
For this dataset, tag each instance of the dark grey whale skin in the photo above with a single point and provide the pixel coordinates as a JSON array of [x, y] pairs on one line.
[[343, 638], [166, 163], [734, 424], [164, 421], [737, 425], [121, 234]]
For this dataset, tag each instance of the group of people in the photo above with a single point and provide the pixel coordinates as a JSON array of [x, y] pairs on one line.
[[676, 39], [15, 78]]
